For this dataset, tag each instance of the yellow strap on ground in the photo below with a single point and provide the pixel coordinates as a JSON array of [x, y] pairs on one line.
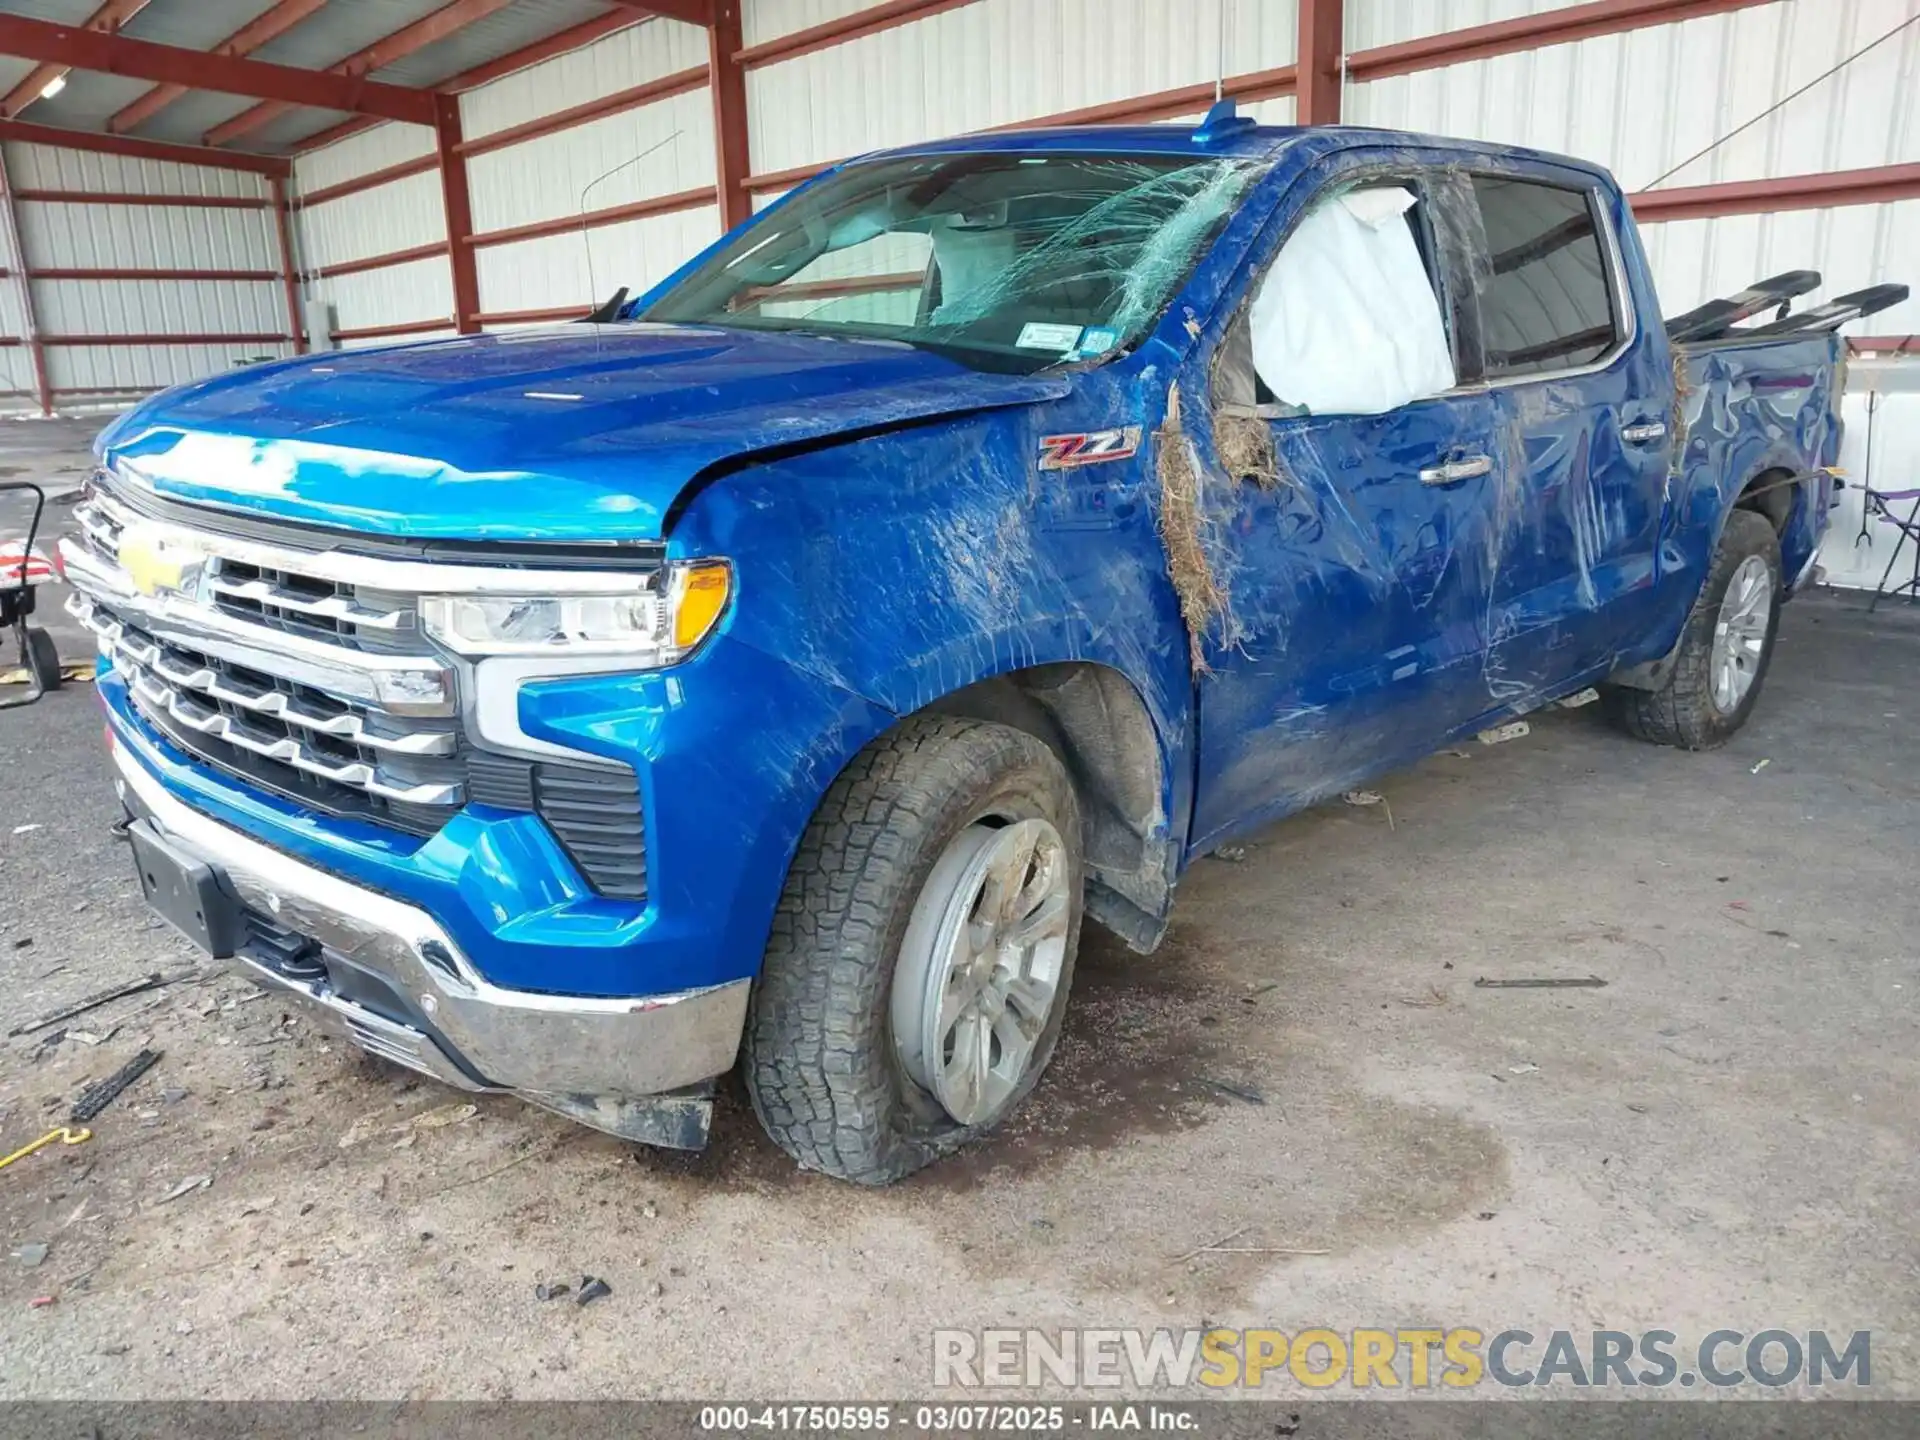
[[64, 1135]]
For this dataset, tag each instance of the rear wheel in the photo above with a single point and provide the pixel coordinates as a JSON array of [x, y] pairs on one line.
[[1725, 649], [917, 974]]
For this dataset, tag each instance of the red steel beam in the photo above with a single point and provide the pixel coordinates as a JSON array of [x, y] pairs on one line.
[[275, 22], [138, 274], [1140, 109], [143, 149], [173, 65], [447, 21], [1530, 32], [458, 203], [1323, 41], [870, 21], [377, 262], [594, 219], [574, 37], [134, 197], [164, 339], [1884, 344], [1833, 189], [535, 317], [678, 83], [372, 179], [108, 18], [727, 83], [289, 273], [687, 12], [384, 332]]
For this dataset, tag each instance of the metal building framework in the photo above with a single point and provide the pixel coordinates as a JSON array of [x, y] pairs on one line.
[[1315, 81]]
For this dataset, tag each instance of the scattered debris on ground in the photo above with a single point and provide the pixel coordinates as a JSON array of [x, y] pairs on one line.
[[97, 999], [98, 1096], [1371, 797], [592, 1289], [1500, 734], [1238, 1092], [185, 1187]]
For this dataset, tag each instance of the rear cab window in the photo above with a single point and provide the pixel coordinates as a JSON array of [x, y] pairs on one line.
[[1549, 302]]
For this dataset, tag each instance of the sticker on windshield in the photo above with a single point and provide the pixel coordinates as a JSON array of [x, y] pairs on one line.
[[1041, 335], [1066, 452], [1095, 340]]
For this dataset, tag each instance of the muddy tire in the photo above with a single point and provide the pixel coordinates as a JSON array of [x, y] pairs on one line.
[[1725, 649], [903, 907]]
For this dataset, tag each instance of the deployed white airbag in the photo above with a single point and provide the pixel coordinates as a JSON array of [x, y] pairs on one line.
[[1346, 321]]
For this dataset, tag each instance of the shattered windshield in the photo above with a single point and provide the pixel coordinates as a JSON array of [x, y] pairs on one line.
[[1003, 261]]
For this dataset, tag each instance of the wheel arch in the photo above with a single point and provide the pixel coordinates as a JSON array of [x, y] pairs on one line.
[[1099, 725]]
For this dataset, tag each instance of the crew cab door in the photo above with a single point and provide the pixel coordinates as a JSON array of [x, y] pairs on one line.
[[1356, 567], [1587, 399]]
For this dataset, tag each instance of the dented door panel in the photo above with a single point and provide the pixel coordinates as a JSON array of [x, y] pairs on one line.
[[1357, 627]]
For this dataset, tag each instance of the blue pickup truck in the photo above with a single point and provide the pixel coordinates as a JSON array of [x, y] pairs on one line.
[[777, 668]]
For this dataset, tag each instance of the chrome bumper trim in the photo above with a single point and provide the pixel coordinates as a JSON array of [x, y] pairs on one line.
[[555, 1050]]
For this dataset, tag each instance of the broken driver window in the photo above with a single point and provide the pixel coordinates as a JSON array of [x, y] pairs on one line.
[[1347, 321], [1003, 260]]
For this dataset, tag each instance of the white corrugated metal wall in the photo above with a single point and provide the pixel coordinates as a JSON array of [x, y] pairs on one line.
[[89, 234]]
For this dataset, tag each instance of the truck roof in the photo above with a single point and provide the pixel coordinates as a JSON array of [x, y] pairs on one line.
[[1251, 141]]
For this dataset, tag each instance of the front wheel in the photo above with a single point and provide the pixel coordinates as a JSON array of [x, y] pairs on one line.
[[1725, 649], [917, 974]]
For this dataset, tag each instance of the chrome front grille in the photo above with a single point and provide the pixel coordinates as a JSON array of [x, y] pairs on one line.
[[257, 662], [293, 658], [274, 598]]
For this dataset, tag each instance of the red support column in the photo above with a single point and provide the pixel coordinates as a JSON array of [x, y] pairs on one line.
[[289, 274], [727, 80], [459, 208], [25, 275], [1322, 44]]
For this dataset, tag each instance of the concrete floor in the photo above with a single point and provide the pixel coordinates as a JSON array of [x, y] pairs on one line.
[[1724, 1136]]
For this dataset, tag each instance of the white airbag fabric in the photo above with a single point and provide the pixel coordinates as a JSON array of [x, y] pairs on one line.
[[1346, 321]]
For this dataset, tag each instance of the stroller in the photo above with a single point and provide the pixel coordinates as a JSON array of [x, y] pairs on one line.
[[22, 567]]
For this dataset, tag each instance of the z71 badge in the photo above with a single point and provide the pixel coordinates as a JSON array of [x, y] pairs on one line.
[[1064, 452]]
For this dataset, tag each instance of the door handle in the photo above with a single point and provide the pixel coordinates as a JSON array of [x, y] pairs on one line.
[[1644, 433], [1456, 470]]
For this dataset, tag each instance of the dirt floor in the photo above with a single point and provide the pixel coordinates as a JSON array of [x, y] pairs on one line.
[[1723, 1136]]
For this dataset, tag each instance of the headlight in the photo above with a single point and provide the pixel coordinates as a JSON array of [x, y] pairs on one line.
[[665, 617]]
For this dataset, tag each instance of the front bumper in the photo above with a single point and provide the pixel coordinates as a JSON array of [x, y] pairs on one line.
[[606, 1062]]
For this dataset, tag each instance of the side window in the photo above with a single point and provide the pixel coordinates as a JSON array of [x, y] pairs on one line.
[[1346, 321], [1548, 304]]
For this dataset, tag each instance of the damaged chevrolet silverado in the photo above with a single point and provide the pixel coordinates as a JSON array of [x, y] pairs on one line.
[[777, 668]]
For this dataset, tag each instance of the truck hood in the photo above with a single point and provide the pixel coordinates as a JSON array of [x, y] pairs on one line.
[[571, 434]]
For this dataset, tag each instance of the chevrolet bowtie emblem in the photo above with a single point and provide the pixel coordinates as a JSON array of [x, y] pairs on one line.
[[155, 565]]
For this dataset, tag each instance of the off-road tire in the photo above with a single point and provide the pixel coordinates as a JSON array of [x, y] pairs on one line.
[[1682, 712], [818, 1055]]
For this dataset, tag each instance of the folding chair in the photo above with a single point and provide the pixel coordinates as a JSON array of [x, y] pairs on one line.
[[1879, 506]]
